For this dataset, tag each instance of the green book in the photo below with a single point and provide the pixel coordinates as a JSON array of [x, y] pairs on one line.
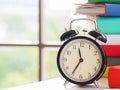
[[109, 25], [103, 1]]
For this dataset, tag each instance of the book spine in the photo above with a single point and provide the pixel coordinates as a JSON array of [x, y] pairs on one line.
[[111, 40], [111, 50], [112, 61], [105, 75], [103, 1], [109, 25], [97, 1], [112, 9]]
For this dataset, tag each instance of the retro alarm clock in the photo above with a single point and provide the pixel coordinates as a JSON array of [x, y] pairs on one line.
[[80, 59]]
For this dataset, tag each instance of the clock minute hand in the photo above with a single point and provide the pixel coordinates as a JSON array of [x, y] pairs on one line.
[[75, 68], [80, 60]]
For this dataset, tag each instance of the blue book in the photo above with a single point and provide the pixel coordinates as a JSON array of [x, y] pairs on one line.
[[112, 9]]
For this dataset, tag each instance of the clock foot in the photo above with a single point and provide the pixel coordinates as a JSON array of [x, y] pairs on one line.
[[96, 84], [65, 83]]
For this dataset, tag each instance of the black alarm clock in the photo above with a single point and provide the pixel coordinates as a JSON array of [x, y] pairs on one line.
[[81, 60]]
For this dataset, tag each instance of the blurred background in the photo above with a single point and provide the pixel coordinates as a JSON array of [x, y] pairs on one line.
[[29, 39]]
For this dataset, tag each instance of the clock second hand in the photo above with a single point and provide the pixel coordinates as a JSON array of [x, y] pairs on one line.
[[80, 60]]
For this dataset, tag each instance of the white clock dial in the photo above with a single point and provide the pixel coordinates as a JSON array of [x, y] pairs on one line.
[[80, 60]]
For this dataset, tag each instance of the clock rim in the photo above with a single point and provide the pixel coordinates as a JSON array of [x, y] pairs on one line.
[[103, 66]]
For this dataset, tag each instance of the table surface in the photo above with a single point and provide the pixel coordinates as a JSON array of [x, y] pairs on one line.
[[58, 84]]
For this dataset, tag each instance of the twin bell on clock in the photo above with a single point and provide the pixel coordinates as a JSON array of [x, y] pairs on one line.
[[81, 60]]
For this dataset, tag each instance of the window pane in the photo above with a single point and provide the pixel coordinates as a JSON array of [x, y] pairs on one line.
[[18, 65], [56, 16], [18, 21], [50, 63]]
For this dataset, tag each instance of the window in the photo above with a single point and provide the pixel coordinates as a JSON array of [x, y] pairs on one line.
[[56, 15], [54, 18], [19, 42], [29, 39]]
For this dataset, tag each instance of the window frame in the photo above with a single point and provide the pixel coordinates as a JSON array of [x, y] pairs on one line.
[[40, 44]]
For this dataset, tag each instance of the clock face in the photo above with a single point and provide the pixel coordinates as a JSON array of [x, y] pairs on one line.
[[80, 60]]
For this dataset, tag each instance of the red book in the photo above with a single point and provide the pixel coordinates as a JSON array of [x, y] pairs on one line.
[[112, 50]]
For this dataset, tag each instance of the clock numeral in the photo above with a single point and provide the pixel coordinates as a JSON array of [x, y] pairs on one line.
[[68, 52], [74, 46], [64, 59], [67, 67], [98, 61], [80, 77], [82, 44], [95, 52], [89, 74], [89, 47], [95, 69]]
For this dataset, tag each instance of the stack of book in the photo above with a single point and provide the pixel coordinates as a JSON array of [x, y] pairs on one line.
[[107, 14]]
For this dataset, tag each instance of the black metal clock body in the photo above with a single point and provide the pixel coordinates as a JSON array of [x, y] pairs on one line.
[[81, 60]]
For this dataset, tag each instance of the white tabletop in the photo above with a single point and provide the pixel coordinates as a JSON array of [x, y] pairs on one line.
[[58, 84]]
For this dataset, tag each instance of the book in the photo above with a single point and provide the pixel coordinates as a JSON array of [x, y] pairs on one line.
[[105, 75], [103, 1], [111, 50], [99, 9], [91, 9], [109, 25], [111, 40], [112, 61], [112, 9]]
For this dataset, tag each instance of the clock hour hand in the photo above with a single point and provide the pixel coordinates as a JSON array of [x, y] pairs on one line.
[[81, 59]]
